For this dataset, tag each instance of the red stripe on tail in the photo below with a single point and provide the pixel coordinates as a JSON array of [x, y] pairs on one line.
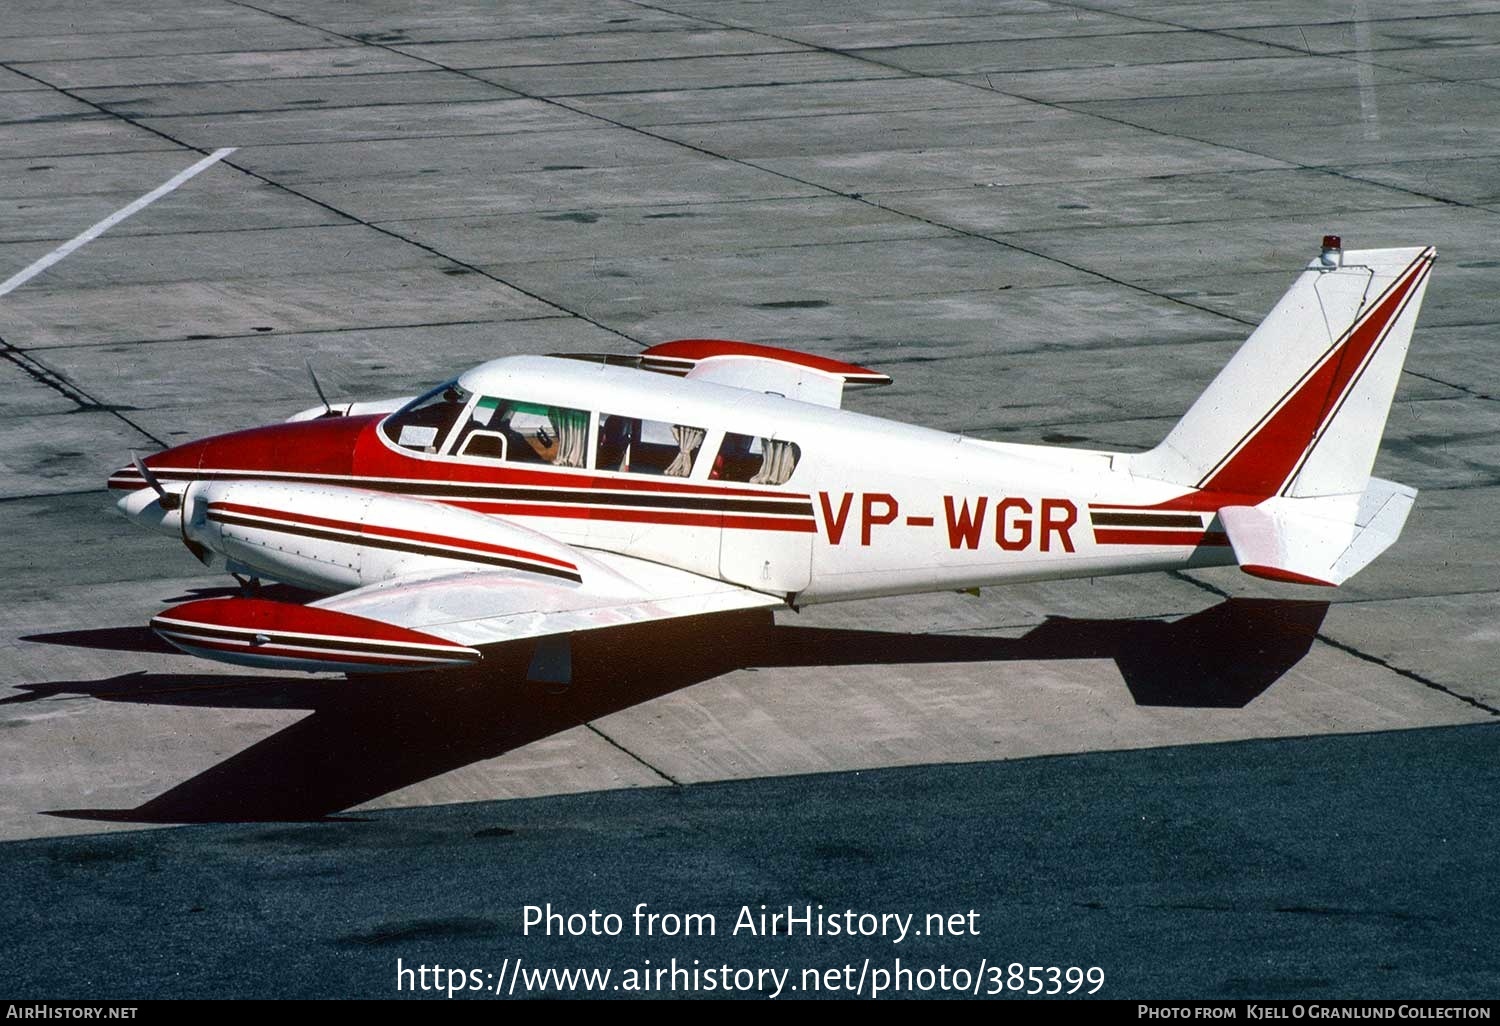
[[1263, 463]]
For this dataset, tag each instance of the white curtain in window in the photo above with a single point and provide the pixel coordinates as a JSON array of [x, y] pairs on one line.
[[778, 460], [572, 428], [688, 440]]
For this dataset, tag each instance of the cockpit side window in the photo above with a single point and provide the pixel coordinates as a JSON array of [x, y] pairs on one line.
[[520, 432], [422, 424], [633, 445], [755, 460]]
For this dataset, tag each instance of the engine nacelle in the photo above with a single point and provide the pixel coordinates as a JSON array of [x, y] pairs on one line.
[[330, 539]]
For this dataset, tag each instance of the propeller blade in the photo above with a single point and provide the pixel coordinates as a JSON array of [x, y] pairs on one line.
[[318, 388], [169, 500]]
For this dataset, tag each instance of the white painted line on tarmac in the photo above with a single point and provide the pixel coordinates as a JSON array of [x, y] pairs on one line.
[[1369, 108], [15, 281]]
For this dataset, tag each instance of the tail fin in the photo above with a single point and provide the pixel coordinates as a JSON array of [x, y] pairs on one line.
[[1299, 411], [1285, 437]]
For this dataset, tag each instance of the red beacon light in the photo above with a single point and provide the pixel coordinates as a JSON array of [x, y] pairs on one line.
[[1333, 252]]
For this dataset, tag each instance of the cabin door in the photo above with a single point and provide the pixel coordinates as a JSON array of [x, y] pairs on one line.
[[767, 537]]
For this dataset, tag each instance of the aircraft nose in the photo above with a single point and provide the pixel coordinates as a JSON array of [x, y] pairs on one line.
[[153, 499], [146, 508], [173, 468]]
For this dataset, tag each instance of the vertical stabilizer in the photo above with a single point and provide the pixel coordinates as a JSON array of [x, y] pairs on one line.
[[1299, 411]]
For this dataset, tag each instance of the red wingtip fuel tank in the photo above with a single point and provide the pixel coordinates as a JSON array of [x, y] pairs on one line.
[[280, 635]]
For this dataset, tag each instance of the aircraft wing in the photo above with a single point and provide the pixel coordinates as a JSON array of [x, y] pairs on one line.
[[438, 618], [486, 607]]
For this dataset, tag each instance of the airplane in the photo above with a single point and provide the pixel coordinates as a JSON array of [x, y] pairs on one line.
[[534, 497]]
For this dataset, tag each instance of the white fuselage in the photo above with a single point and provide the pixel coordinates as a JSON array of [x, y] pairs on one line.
[[872, 507]]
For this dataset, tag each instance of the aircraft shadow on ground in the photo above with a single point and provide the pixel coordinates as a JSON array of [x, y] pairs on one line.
[[368, 736]]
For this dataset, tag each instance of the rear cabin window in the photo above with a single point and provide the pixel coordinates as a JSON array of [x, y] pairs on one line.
[[522, 432], [755, 460], [633, 445]]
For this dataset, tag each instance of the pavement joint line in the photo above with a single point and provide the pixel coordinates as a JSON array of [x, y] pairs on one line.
[[369, 37], [58, 382], [556, 305], [321, 108], [351, 76], [1425, 596], [53, 495], [784, 175], [1227, 31], [87, 153], [661, 773], [823, 195], [395, 47], [1062, 425], [1397, 204], [1349, 176], [1468, 486], [856, 50], [959, 80], [88, 235], [1348, 56], [1426, 682], [112, 32], [136, 123], [141, 122], [297, 331], [1186, 578], [775, 83], [941, 234], [862, 198], [194, 231], [756, 119], [1448, 384], [1351, 650], [533, 211], [167, 56]]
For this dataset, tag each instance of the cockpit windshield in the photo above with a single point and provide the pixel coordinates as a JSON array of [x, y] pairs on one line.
[[422, 424]]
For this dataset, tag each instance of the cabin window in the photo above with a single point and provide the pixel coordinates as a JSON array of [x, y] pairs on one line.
[[422, 424], [755, 460], [633, 445], [519, 432]]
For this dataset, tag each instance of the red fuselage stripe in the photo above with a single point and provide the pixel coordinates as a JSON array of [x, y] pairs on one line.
[[634, 516], [1110, 536], [315, 656], [391, 532]]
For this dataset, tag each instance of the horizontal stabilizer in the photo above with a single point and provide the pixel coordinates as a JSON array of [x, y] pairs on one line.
[[1324, 540], [806, 377]]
